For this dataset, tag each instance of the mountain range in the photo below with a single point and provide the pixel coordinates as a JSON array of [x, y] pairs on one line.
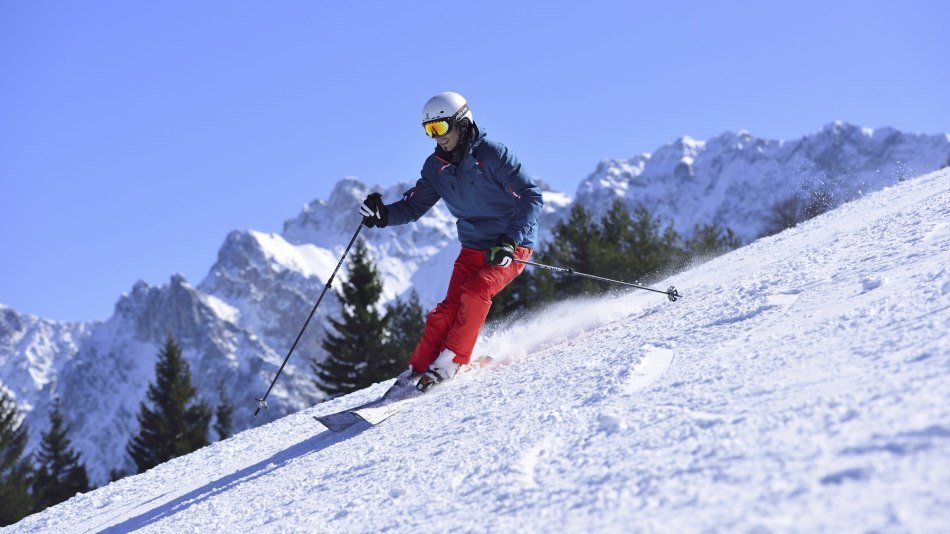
[[237, 324]]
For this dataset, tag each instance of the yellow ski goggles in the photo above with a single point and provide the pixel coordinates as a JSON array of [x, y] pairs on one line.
[[437, 128], [440, 127]]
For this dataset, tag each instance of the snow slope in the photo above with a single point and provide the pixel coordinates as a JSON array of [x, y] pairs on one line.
[[806, 389]]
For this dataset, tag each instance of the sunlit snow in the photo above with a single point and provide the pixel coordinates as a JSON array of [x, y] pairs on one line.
[[800, 384]]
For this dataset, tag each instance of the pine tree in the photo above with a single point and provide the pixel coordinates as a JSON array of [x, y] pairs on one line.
[[15, 499], [631, 248], [223, 424], [117, 474], [652, 250], [574, 241], [173, 422], [614, 257], [405, 323], [60, 474], [710, 240], [784, 214], [357, 341]]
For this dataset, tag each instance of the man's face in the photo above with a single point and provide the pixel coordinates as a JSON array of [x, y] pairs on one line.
[[450, 139]]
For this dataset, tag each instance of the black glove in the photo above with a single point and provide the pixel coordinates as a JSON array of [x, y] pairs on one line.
[[503, 253], [374, 212]]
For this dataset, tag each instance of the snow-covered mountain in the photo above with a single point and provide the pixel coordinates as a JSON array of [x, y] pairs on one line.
[[33, 352], [800, 384], [237, 324], [736, 179]]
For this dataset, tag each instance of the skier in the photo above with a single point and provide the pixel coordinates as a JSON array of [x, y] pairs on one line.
[[497, 205]]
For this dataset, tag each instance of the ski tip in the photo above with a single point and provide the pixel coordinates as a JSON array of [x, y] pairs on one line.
[[337, 424]]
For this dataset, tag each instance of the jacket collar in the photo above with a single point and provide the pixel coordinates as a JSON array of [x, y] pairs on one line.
[[474, 138]]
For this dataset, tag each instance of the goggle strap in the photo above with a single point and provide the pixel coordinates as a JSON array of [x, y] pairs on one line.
[[462, 111]]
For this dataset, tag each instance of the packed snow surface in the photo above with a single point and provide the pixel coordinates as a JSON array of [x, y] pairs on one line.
[[800, 384]]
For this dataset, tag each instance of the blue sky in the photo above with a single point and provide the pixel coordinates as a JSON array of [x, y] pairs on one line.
[[134, 136]]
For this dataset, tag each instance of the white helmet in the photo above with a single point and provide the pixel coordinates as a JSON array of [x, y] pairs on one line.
[[447, 105]]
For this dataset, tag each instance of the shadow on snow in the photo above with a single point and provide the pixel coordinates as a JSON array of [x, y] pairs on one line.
[[224, 484]]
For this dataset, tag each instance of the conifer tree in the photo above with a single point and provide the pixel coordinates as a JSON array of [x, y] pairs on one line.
[[15, 499], [223, 424], [613, 256], [784, 215], [710, 240], [634, 248], [631, 248], [652, 250], [60, 475], [173, 422], [117, 474], [574, 241], [405, 322], [357, 342]]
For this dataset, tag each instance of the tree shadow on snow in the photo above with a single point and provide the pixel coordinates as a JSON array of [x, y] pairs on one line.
[[224, 484]]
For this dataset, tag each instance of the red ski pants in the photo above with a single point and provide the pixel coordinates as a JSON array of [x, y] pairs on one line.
[[455, 322]]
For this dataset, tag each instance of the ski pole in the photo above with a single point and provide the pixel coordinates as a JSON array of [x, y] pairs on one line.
[[671, 293], [262, 402]]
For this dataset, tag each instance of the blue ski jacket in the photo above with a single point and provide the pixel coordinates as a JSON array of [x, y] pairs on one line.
[[489, 193]]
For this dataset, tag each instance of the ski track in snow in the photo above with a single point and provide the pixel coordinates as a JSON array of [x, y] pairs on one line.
[[799, 385]]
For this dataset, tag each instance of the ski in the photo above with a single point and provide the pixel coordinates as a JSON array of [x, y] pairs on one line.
[[339, 421], [376, 414], [372, 412], [386, 406]]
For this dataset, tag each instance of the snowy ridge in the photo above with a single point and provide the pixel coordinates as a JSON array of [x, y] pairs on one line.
[[807, 392], [237, 324], [33, 353], [735, 179]]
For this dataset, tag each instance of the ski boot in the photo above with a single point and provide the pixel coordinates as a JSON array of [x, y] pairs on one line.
[[443, 368], [405, 382]]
